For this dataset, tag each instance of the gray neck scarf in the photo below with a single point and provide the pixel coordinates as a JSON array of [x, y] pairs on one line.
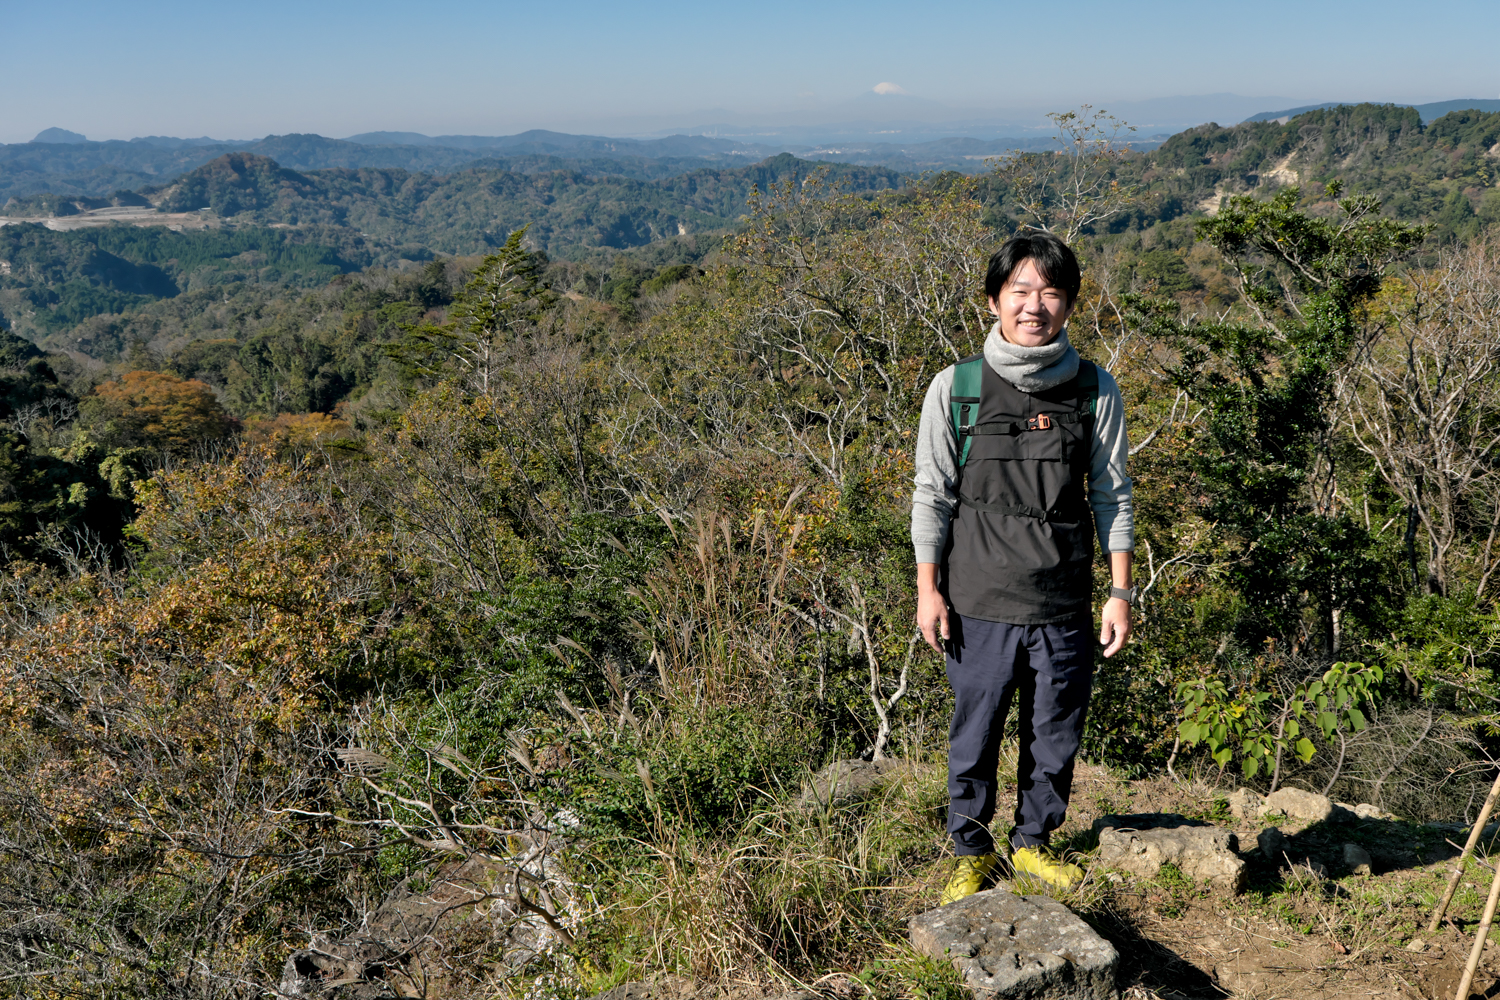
[[1031, 369]]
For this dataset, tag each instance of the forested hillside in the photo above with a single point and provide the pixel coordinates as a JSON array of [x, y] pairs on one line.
[[54, 284], [1444, 172], [96, 169], [56, 281], [337, 578], [347, 219], [469, 210]]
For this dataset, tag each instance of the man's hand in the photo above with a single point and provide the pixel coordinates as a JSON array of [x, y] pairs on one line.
[[932, 610], [1114, 625], [1114, 620]]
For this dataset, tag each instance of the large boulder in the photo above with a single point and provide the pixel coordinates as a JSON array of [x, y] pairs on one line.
[[412, 933], [846, 781], [1018, 948], [1142, 843]]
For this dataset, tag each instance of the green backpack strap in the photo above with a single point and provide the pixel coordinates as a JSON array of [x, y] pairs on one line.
[[963, 405]]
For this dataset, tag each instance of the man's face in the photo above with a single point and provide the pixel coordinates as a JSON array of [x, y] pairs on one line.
[[1031, 312]]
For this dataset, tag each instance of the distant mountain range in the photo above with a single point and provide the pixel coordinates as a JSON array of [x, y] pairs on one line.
[[67, 165], [76, 167]]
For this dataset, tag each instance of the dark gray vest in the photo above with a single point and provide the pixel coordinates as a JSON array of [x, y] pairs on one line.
[[1021, 542]]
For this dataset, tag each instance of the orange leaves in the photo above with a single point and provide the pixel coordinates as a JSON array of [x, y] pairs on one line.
[[297, 431], [156, 410], [270, 590]]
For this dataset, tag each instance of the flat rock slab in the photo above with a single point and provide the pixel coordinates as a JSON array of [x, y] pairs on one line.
[[1142, 843], [1018, 948]]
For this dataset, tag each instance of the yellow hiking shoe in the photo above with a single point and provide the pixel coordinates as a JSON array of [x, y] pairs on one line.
[[1031, 861], [969, 876]]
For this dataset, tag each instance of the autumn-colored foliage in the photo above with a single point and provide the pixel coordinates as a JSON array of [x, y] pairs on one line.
[[166, 726], [156, 410], [298, 431]]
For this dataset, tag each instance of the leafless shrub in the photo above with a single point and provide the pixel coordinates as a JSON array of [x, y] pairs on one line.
[[1067, 190], [1417, 763], [498, 896], [1421, 401]]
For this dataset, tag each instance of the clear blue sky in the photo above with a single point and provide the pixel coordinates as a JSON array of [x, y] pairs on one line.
[[166, 67]]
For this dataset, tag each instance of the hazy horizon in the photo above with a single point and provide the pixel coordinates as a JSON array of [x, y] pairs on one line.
[[341, 69]]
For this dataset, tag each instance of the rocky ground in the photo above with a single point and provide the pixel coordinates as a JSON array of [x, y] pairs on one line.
[[1203, 891], [1308, 925]]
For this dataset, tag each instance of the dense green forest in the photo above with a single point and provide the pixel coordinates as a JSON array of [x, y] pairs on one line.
[[56, 281], [566, 568], [469, 210]]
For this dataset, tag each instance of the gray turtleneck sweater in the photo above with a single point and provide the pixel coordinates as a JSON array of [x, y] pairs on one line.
[[1029, 369]]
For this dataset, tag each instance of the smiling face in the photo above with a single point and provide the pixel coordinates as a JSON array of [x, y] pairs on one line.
[[1031, 311]]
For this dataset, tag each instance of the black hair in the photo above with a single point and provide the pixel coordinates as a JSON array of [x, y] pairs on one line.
[[1054, 262]]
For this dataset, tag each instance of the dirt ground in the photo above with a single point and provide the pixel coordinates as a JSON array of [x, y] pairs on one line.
[[1296, 933]]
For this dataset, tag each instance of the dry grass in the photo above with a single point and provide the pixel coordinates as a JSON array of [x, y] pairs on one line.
[[794, 894]]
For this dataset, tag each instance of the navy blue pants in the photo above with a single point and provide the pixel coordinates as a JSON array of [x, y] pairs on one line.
[[1048, 671]]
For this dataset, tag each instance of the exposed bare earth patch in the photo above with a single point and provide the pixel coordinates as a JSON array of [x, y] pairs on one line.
[[131, 215], [1307, 928], [1281, 171], [1210, 203]]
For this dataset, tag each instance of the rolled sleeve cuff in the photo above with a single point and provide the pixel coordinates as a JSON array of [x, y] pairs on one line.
[[928, 553]]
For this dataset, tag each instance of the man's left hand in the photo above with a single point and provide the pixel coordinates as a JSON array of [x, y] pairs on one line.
[[1114, 625]]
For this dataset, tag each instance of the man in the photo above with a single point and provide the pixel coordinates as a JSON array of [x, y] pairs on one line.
[[1020, 463]]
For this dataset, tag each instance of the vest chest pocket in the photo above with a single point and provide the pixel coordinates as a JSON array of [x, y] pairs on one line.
[[1048, 444]]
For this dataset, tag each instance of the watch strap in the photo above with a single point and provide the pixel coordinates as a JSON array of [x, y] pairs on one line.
[[1126, 594]]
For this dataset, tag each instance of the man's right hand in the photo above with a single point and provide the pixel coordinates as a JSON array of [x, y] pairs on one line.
[[932, 609]]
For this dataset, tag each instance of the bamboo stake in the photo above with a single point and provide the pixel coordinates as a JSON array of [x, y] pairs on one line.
[[1481, 936], [1458, 868]]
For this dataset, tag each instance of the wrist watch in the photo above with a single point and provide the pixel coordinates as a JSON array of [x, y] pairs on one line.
[[1126, 594]]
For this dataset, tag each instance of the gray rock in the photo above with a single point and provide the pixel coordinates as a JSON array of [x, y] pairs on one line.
[[1142, 843], [846, 781], [1366, 811], [1244, 804], [1357, 860], [1294, 803], [1018, 948], [466, 903], [1272, 843]]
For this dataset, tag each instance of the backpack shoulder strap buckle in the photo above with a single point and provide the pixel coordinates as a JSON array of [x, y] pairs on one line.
[[968, 376], [1040, 422]]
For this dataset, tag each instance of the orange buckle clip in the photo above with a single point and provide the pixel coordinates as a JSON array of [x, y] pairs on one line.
[[1040, 422]]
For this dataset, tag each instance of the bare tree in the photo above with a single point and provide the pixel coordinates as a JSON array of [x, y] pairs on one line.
[[1423, 401], [856, 304], [1069, 189]]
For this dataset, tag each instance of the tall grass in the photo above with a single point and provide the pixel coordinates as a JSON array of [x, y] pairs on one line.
[[795, 891], [716, 616]]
